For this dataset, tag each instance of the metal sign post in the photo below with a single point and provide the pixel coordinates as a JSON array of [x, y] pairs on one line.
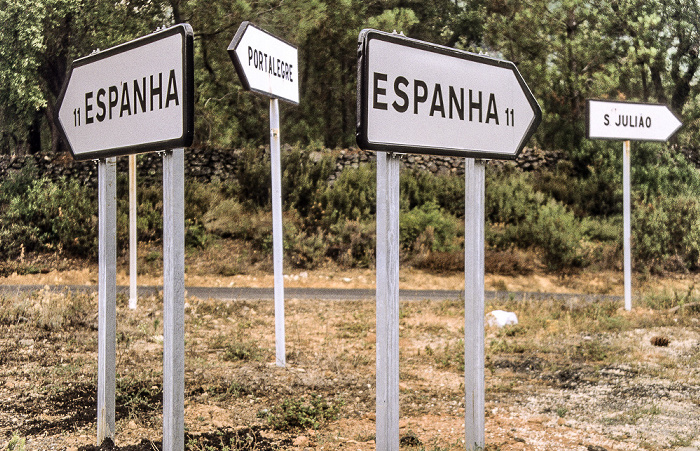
[[107, 298], [174, 300], [277, 235], [133, 242], [388, 166], [627, 222], [474, 383], [136, 97], [418, 97], [269, 66], [629, 121]]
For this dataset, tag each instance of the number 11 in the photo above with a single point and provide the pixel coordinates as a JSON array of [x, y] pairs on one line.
[[510, 117]]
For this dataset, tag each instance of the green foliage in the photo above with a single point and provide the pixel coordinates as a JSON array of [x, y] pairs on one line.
[[302, 413], [660, 170], [522, 216], [38, 41], [352, 196], [352, 243], [304, 177], [253, 177], [16, 184], [305, 250], [16, 443], [242, 351], [49, 217], [589, 183], [430, 227], [228, 218], [666, 233], [421, 187]]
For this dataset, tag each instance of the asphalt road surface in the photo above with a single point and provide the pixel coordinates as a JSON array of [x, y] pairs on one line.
[[326, 294]]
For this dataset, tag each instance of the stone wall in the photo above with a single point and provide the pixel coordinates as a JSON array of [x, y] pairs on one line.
[[205, 164]]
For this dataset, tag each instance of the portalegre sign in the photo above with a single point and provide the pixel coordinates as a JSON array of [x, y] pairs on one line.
[[132, 98], [265, 63], [419, 97], [629, 121]]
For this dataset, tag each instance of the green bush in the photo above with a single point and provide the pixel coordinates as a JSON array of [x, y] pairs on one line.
[[352, 243], [662, 170], [559, 234], [253, 175], [428, 226], [16, 443], [351, 197], [16, 184], [421, 187], [666, 233], [54, 217], [521, 216], [304, 178], [588, 181], [304, 250], [149, 212], [228, 218], [301, 413]]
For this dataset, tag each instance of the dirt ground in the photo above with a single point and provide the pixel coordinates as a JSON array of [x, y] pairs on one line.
[[568, 377]]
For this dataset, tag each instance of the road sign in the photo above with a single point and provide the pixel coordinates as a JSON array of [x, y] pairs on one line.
[[629, 121], [419, 97], [265, 63], [135, 97]]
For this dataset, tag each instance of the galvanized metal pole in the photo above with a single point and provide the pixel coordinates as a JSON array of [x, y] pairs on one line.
[[474, 386], [387, 434], [133, 290], [277, 244], [627, 222], [174, 300], [107, 298]]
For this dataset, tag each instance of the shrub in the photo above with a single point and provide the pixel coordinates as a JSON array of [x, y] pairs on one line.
[[149, 213], [665, 231], [519, 215], [352, 196], [352, 243], [302, 413], [16, 443], [16, 184], [52, 217], [436, 229], [305, 250], [559, 234], [253, 176], [421, 187], [303, 178], [228, 218], [588, 188]]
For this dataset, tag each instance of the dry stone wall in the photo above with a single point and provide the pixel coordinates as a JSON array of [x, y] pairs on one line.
[[206, 164]]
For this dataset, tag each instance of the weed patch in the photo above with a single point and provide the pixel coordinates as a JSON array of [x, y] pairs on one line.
[[301, 413]]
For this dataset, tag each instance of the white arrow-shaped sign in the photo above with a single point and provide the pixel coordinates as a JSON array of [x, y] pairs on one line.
[[265, 63], [418, 97], [630, 121], [132, 98]]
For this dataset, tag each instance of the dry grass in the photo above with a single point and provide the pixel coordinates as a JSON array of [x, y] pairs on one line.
[[543, 374]]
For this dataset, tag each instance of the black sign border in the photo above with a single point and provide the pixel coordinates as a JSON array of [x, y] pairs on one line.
[[231, 49], [364, 39], [588, 120], [187, 97]]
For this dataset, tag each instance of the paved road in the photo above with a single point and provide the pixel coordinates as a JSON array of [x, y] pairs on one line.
[[330, 294]]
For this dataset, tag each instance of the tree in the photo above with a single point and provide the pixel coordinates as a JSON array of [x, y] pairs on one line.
[[38, 41]]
